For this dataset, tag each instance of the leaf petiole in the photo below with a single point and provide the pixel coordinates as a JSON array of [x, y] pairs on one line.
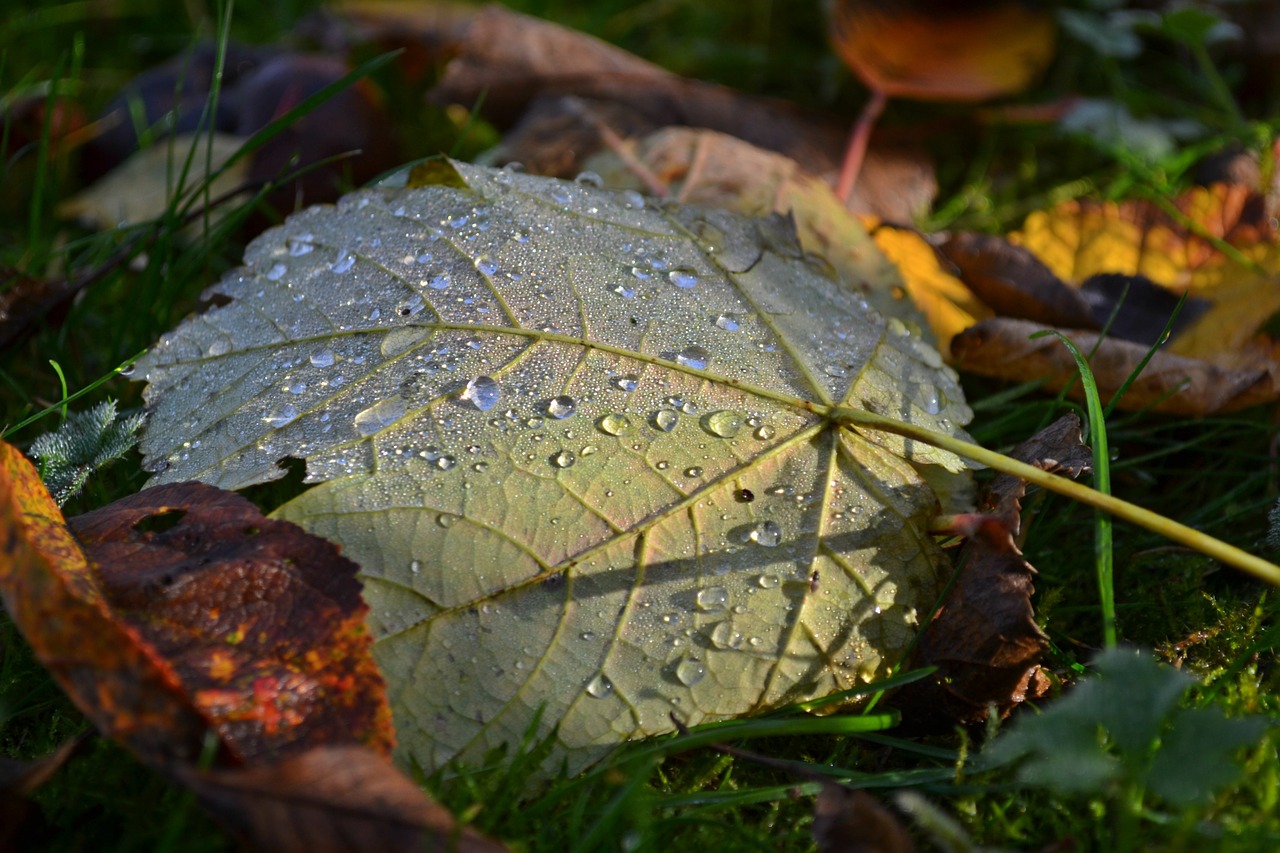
[[1202, 542]]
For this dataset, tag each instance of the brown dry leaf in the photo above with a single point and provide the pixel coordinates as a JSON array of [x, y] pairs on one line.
[[1080, 239], [564, 95], [984, 639], [331, 799], [24, 299], [262, 623], [1014, 283], [848, 820], [942, 50], [1169, 383], [54, 597], [1218, 359], [21, 821]]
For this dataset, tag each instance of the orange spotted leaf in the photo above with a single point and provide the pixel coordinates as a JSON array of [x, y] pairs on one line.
[[262, 623], [55, 598]]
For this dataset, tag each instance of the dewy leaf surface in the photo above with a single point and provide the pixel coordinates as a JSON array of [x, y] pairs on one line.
[[579, 445]]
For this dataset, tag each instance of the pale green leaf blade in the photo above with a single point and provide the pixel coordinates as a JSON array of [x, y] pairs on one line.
[[578, 443]]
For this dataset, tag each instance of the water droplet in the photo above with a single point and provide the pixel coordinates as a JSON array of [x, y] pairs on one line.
[[768, 581], [665, 419], [446, 462], [628, 382], [480, 467], [632, 199], [324, 358], [693, 356], [440, 281], [694, 471], [562, 407], [835, 370], [415, 566], [682, 277], [624, 291], [299, 245], [600, 686], [277, 272], [614, 423], [446, 520], [380, 415], [932, 402], [766, 533], [765, 432], [588, 179], [724, 423], [728, 322], [564, 459], [690, 671], [588, 450], [712, 598], [482, 392], [343, 263], [725, 637], [486, 265], [286, 414]]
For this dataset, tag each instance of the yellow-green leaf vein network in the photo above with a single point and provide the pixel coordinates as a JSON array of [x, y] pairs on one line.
[[577, 440]]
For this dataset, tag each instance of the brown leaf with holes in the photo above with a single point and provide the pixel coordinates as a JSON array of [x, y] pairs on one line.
[[984, 639], [331, 799], [262, 623], [55, 598]]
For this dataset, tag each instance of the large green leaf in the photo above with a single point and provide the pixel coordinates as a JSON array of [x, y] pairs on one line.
[[579, 444]]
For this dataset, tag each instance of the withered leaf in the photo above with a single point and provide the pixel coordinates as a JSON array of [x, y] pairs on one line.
[[54, 597], [21, 821], [848, 820], [984, 639], [1014, 283], [261, 622], [331, 799], [1169, 383]]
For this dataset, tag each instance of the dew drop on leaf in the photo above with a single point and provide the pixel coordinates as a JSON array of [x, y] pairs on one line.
[[561, 407], [614, 423], [724, 636], [724, 424], [627, 383], [482, 392], [712, 598], [440, 281], [766, 533], [600, 686], [324, 358], [564, 459], [283, 416], [728, 322], [665, 419], [694, 356], [690, 671], [380, 415], [683, 278]]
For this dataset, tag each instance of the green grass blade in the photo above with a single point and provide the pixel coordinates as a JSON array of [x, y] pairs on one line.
[[1103, 556]]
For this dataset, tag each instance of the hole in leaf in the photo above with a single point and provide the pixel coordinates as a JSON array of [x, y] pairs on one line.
[[159, 522]]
